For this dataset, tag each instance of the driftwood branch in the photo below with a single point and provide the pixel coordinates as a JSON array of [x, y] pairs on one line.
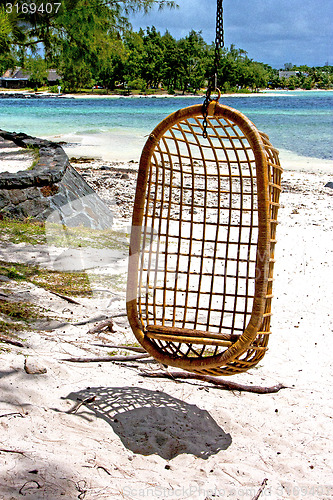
[[81, 402], [103, 325], [108, 359], [123, 347], [69, 299], [13, 413], [261, 489], [5, 450], [4, 338], [30, 483], [222, 384]]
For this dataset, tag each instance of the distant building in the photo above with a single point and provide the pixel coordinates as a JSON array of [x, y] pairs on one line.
[[18, 78], [14, 79], [287, 74], [53, 78]]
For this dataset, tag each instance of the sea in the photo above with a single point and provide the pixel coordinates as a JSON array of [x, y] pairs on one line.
[[297, 122]]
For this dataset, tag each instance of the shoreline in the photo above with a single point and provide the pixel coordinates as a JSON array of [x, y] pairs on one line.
[[106, 153], [263, 92], [289, 160], [118, 143]]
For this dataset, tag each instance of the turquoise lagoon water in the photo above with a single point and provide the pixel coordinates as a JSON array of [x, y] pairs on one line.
[[299, 122]]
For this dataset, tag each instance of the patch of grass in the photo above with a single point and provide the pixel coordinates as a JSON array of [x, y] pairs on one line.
[[36, 155], [19, 311], [31, 232], [66, 283], [114, 282], [19, 316], [11, 329], [78, 237], [14, 274], [35, 232]]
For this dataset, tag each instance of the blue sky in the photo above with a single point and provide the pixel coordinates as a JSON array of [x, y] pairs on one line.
[[271, 31]]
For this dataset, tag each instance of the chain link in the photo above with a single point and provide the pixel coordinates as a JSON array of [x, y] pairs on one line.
[[219, 37], [212, 83]]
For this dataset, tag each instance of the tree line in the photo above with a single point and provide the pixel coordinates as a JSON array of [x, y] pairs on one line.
[[91, 43]]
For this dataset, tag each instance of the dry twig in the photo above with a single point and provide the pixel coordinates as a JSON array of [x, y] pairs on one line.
[[12, 414], [4, 338], [81, 402], [103, 325], [124, 347], [261, 489], [108, 359], [69, 299], [223, 384], [5, 450], [28, 482]]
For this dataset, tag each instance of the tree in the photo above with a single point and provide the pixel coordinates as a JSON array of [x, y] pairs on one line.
[[193, 55], [112, 63], [37, 69], [171, 62], [10, 35], [72, 36], [135, 54], [74, 19], [5, 30], [258, 76]]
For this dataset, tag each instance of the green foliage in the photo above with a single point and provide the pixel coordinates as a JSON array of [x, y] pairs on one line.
[[67, 283], [10, 35], [34, 233], [137, 84], [11, 329], [19, 311], [5, 30], [308, 78], [91, 42], [37, 68]]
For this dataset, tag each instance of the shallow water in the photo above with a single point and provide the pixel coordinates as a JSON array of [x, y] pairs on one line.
[[115, 128]]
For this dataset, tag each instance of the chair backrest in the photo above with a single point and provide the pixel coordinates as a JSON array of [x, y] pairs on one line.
[[202, 243]]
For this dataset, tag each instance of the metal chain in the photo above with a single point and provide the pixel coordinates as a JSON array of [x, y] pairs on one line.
[[212, 83], [219, 37]]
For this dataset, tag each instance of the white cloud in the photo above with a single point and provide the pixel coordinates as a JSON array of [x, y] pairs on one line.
[[299, 31]]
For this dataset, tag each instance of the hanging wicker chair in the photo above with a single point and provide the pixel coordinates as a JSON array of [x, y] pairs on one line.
[[202, 244]]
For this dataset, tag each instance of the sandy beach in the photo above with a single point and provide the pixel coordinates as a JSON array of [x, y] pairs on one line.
[[155, 438]]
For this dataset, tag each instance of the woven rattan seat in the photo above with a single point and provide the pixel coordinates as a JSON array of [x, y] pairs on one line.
[[202, 243]]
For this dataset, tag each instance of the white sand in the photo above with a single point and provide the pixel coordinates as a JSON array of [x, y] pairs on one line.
[[13, 158], [144, 438], [117, 146], [123, 146]]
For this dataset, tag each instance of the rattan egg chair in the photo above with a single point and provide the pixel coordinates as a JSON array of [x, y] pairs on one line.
[[202, 243]]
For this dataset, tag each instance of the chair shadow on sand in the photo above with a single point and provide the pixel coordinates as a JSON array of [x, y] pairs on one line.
[[149, 422]]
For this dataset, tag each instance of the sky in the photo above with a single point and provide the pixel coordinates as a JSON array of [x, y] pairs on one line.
[[271, 31]]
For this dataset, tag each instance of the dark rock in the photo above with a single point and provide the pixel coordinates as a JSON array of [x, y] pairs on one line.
[[33, 367], [49, 190], [53, 190], [79, 220], [329, 185], [33, 208], [3, 278], [17, 196]]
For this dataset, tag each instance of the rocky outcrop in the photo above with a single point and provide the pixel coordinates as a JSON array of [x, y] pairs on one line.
[[53, 190]]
